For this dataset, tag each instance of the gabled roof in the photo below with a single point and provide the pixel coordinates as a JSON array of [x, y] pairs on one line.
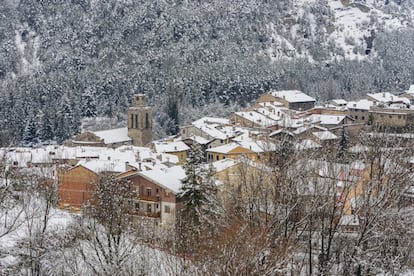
[[339, 102], [111, 136], [249, 146], [257, 118], [198, 139], [177, 146], [326, 119], [361, 104], [387, 97], [292, 96], [225, 148], [169, 178], [98, 166], [211, 120]]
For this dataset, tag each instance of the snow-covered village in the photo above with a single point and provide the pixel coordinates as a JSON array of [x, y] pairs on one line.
[[179, 137], [332, 176]]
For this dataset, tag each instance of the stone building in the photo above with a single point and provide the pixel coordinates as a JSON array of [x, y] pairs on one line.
[[140, 121], [138, 132], [292, 99]]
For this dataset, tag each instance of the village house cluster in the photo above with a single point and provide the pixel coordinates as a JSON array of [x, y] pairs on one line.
[[249, 138]]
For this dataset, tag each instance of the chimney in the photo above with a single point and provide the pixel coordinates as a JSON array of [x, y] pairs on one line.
[[139, 166], [126, 166]]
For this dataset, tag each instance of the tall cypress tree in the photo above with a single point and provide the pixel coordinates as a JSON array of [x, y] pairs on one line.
[[343, 144]]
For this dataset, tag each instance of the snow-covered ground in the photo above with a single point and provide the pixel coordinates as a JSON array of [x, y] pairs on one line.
[[351, 27]]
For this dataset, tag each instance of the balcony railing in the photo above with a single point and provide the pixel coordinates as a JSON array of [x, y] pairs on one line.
[[145, 214], [149, 198]]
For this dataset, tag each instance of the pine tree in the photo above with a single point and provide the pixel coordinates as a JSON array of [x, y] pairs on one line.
[[44, 126], [172, 120], [88, 104], [30, 133], [199, 192]]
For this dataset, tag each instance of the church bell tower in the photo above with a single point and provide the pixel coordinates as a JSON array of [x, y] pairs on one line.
[[140, 121]]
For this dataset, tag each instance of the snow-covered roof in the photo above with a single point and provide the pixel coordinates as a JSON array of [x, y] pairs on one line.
[[325, 135], [326, 119], [272, 114], [169, 178], [224, 148], [339, 102], [292, 96], [387, 97], [198, 139], [258, 146], [257, 118], [361, 104], [170, 146], [213, 132], [223, 164], [111, 136], [211, 120], [98, 166]]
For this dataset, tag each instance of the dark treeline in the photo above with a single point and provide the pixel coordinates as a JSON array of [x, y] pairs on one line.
[[61, 61]]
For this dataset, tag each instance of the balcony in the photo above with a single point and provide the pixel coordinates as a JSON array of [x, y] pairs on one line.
[[145, 214], [149, 198]]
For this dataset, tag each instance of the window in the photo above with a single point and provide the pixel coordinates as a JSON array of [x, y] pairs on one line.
[[399, 116], [132, 120], [363, 118], [167, 193], [147, 120], [148, 191], [217, 157], [167, 209], [356, 117], [390, 116], [149, 208], [136, 121], [137, 206]]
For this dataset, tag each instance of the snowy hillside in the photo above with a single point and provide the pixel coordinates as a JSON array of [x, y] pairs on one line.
[[346, 29], [65, 61]]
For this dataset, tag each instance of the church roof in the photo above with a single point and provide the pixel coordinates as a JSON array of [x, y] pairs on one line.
[[112, 136]]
